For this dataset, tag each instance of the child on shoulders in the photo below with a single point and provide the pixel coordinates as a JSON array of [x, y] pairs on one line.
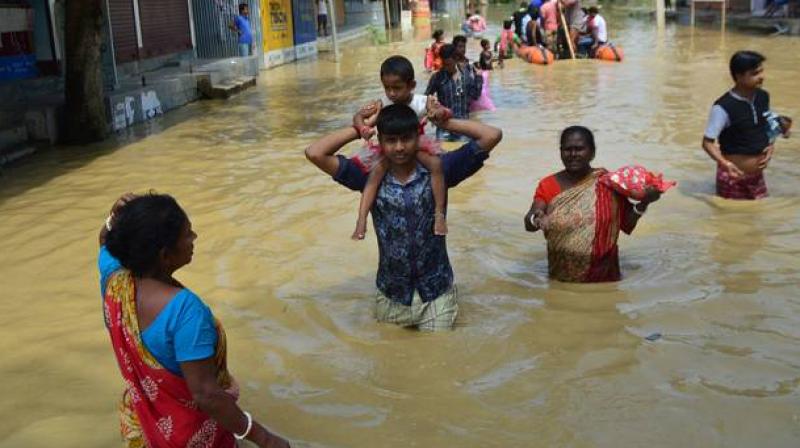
[[397, 77]]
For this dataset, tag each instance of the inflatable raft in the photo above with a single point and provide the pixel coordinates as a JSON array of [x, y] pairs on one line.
[[609, 52], [536, 54]]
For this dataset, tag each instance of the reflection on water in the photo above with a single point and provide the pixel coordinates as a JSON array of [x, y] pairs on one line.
[[531, 363]]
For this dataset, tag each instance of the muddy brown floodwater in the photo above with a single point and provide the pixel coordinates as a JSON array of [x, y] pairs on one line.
[[530, 364]]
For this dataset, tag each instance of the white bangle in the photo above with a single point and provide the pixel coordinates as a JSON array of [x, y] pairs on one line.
[[249, 427], [108, 221], [636, 210]]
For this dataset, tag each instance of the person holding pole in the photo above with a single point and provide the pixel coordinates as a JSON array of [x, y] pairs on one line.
[[572, 18]]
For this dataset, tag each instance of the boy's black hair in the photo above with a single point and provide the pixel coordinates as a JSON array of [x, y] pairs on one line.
[[397, 119], [459, 39], [242, 6], [533, 12], [398, 66], [507, 24], [437, 34], [744, 61], [485, 42], [448, 51]]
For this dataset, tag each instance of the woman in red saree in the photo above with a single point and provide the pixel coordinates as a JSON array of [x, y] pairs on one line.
[[169, 348], [582, 217]]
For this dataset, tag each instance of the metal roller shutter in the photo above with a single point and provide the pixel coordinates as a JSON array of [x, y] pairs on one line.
[[165, 27], [123, 27]]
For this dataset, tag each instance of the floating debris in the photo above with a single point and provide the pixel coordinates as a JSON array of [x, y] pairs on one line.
[[653, 336]]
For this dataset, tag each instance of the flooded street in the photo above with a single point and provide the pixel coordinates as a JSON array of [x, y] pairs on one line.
[[530, 363]]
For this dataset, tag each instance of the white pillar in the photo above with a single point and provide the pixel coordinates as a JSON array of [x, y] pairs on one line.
[[107, 12], [138, 21], [191, 27], [334, 34], [660, 14]]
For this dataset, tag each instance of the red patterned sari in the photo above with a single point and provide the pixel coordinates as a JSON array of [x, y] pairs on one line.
[[583, 225], [157, 408]]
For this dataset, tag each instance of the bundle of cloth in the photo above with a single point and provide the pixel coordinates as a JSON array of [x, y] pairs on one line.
[[632, 180]]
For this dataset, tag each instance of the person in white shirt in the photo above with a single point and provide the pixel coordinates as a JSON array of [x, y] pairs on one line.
[[597, 27], [322, 18]]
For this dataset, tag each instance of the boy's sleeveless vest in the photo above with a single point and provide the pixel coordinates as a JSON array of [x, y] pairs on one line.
[[747, 133]]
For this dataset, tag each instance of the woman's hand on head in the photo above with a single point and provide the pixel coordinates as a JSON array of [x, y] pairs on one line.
[[122, 201]]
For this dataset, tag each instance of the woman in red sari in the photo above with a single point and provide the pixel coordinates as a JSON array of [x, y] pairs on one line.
[[581, 217], [169, 348]]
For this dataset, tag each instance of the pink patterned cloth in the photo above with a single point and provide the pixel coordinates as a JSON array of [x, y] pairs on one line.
[[747, 187], [631, 181]]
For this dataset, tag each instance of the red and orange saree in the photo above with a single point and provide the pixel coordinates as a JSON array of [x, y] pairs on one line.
[[583, 225], [157, 408]]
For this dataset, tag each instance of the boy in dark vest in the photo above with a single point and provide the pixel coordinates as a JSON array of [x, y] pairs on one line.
[[737, 136]]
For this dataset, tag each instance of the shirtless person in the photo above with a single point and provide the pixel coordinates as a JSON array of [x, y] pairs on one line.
[[736, 136]]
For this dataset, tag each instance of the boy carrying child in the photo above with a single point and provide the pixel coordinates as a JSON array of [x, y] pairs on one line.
[[414, 280], [397, 77]]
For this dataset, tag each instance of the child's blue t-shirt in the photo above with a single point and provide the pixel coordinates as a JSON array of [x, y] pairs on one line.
[[183, 331]]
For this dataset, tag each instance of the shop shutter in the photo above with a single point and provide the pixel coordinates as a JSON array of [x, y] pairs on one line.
[[165, 27], [123, 27]]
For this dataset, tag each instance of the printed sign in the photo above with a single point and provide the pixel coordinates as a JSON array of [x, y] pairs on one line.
[[276, 18], [18, 67]]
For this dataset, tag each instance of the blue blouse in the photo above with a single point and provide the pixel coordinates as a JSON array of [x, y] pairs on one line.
[[183, 331]]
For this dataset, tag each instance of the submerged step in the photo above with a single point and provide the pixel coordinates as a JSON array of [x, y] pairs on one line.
[[15, 153], [226, 88]]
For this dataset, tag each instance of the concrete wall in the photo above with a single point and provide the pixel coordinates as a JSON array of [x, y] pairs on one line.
[[170, 90]]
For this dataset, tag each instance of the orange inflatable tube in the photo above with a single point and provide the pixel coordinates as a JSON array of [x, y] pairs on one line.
[[536, 55], [609, 53]]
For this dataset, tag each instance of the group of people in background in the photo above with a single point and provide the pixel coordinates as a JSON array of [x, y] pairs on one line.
[[549, 23], [457, 84]]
